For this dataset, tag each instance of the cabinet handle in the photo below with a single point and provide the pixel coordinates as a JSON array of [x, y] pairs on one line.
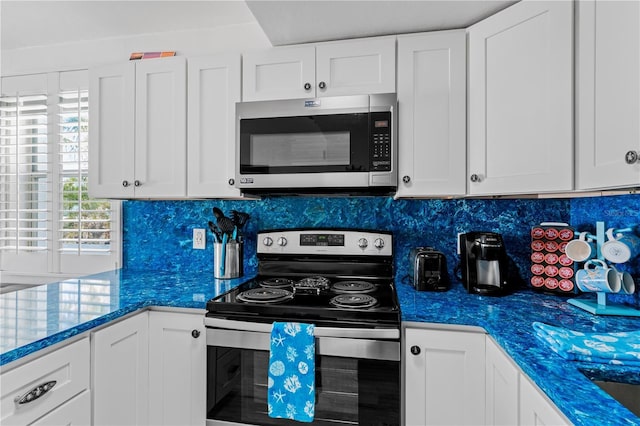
[[137, 183], [406, 179], [195, 333], [631, 157], [232, 181], [474, 178], [415, 350], [35, 393], [322, 85], [125, 183], [307, 86]]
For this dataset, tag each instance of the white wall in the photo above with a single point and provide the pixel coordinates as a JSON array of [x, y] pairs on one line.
[[84, 54]]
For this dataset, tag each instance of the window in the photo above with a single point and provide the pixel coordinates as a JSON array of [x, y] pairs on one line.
[[48, 222]]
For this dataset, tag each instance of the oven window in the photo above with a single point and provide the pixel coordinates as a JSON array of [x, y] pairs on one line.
[[305, 144], [348, 391], [300, 149]]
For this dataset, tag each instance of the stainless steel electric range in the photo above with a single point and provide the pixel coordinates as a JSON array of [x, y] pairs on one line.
[[341, 280]]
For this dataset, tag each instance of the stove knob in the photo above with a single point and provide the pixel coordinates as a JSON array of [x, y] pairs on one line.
[[282, 241], [267, 241], [363, 243], [378, 243]]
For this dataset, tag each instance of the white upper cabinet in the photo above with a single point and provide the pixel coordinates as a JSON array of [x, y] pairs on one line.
[[360, 66], [138, 131], [432, 114], [608, 94], [521, 100], [214, 89]]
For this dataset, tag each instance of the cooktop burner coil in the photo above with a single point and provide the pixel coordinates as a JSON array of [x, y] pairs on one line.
[[276, 283], [353, 301], [265, 295], [348, 287]]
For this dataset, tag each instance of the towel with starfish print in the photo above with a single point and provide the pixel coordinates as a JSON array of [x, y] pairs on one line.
[[291, 385]]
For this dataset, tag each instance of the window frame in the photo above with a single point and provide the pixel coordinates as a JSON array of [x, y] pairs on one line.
[[52, 264]]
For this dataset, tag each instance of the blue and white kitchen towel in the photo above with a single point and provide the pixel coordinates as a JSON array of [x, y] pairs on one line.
[[607, 348], [291, 386]]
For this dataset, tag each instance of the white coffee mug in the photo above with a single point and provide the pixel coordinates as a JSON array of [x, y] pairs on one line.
[[598, 277], [621, 247], [580, 249]]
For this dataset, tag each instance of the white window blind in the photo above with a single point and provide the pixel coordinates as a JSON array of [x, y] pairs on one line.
[[24, 173], [48, 223]]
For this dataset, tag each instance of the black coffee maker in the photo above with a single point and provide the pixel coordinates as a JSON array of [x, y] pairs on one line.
[[484, 263]]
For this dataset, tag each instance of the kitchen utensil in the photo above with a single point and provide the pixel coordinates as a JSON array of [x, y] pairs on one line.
[[240, 219], [217, 213], [226, 226], [223, 254], [216, 231]]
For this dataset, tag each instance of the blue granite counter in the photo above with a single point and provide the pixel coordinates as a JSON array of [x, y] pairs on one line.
[[508, 320], [38, 317], [34, 318]]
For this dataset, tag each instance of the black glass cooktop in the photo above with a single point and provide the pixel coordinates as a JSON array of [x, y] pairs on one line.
[[337, 302]]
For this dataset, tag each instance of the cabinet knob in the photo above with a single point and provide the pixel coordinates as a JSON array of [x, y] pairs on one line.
[[415, 349], [137, 183], [195, 333], [474, 178], [232, 182], [125, 183], [631, 157], [307, 86], [406, 179], [322, 85]]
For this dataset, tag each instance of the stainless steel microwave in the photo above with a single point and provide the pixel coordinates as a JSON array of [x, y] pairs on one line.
[[320, 145]]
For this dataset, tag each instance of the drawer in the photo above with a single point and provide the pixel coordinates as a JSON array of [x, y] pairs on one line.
[[68, 366], [75, 412]]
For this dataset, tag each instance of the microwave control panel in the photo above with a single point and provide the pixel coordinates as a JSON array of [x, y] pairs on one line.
[[380, 153]]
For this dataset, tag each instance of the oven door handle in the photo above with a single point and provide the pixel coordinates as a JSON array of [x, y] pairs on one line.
[[351, 333]]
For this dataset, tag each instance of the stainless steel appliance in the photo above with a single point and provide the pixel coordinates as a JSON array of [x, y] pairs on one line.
[[339, 280], [484, 263], [429, 269], [332, 144]]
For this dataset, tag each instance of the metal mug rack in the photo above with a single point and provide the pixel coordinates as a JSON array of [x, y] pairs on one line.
[[600, 306]]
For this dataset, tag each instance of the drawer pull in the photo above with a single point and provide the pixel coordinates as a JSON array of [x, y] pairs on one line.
[[35, 393]]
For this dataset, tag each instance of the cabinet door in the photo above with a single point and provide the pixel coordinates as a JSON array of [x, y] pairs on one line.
[[161, 128], [120, 373], [520, 100], [608, 93], [214, 89], [111, 133], [501, 387], [279, 73], [444, 381], [362, 66], [75, 412], [68, 367], [177, 369], [432, 123], [535, 408]]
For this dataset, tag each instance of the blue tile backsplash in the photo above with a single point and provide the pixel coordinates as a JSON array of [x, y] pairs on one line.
[[158, 234]]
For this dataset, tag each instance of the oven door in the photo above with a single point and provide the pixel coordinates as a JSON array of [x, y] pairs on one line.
[[357, 379]]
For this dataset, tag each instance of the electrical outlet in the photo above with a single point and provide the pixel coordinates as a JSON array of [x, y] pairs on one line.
[[199, 239]]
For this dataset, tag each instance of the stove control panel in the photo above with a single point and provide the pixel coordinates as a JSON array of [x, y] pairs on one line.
[[317, 241]]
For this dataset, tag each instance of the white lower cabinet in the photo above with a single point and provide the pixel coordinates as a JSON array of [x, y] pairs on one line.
[[47, 386], [120, 372], [535, 407], [177, 368], [75, 412], [502, 387], [454, 377], [444, 377], [511, 397]]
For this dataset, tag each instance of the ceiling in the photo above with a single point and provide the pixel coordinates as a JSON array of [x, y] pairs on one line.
[[42, 23]]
